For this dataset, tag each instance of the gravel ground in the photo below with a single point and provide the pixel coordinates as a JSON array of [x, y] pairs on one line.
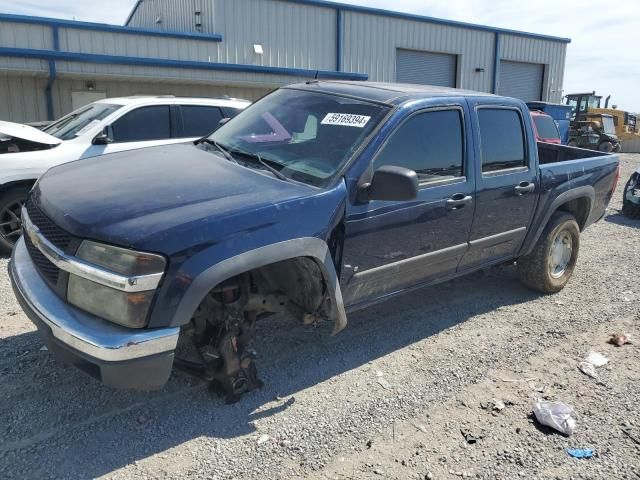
[[387, 398]]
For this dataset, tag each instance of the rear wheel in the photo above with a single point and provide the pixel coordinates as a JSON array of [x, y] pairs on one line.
[[550, 264], [631, 197], [11, 203]]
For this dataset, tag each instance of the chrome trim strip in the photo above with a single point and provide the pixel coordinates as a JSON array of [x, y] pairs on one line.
[[86, 270], [82, 331]]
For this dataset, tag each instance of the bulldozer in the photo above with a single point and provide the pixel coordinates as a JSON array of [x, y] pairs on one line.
[[591, 125]]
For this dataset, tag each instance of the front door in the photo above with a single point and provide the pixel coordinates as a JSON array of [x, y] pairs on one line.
[[142, 127], [506, 185], [390, 246]]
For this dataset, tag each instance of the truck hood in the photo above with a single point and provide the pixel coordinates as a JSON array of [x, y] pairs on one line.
[[159, 198], [25, 132]]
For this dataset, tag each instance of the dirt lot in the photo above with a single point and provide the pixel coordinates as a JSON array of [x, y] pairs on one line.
[[391, 397]]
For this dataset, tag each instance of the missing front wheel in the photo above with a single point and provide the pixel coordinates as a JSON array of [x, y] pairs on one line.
[[221, 335]]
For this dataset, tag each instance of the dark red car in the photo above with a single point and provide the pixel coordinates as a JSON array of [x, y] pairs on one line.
[[545, 128]]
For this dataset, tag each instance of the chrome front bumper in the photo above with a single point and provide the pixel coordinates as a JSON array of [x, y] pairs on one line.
[[94, 340]]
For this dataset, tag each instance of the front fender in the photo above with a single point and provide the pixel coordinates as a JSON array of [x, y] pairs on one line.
[[295, 248]]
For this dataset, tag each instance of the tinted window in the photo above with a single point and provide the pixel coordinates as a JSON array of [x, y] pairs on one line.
[[429, 143], [145, 123], [232, 111], [199, 121], [501, 139], [546, 127]]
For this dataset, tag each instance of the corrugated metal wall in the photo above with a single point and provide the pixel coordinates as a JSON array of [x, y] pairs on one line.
[[370, 43], [292, 35], [112, 43], [22, 98]]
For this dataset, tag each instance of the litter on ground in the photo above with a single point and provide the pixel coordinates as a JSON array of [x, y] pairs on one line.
[[557, 415]]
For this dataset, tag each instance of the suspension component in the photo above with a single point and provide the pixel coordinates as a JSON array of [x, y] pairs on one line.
[[222, 333]]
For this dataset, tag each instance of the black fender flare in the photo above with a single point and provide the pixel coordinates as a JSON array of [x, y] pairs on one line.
[[585, 191], [310, 247]]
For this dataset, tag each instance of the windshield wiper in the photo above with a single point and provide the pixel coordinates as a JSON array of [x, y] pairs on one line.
[[220, 148], [262, 162]]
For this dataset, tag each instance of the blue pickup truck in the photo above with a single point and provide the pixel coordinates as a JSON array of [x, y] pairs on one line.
[[319, 199]]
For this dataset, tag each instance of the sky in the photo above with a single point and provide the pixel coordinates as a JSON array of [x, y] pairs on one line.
[[604, 54]]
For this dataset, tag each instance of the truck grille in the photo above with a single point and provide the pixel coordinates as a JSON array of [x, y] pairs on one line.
[[44, 266], [51, 232]]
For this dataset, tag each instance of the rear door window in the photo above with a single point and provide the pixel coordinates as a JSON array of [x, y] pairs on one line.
[[501, 139], [143, 124], [199, 120]]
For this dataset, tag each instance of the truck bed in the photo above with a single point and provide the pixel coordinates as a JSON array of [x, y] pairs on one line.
[[552, 153]]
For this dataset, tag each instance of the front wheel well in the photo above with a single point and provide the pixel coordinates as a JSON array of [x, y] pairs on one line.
[[296, 286], [17, 184]]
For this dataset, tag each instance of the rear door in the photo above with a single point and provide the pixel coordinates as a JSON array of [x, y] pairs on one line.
[[390, 246], [198, 120], [506, 182]]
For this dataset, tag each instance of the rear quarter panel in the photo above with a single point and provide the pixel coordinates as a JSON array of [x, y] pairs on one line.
[[561, 182]]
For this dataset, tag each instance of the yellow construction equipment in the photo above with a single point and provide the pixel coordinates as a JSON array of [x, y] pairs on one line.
[[587, 114]]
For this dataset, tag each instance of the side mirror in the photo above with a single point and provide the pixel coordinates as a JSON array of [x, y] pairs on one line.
[[223, 121], [105, 137], [392, 184]]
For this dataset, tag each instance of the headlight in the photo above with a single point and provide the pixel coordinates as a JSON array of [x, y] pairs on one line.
[[128, 308]]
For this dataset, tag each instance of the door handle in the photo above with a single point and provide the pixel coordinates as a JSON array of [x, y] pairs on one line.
[[524, 187], [458, 200]]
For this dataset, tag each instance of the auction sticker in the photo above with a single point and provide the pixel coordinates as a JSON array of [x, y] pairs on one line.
[[345, 120]]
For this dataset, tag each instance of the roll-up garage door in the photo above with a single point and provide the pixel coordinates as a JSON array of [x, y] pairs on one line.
[[521, 80], [427, 68]]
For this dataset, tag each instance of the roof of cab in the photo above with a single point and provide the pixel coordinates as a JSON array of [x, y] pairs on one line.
[[389, 93]]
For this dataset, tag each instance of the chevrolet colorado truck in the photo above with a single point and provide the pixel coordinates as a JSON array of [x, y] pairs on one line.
[[319, 199]]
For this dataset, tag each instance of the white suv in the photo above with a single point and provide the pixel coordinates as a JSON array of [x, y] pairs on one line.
[[107, 126]]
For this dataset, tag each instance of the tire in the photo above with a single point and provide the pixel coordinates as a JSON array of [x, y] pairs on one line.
[[617, 148], [606, 147], [11, 202], [536, 269], [631, 209]]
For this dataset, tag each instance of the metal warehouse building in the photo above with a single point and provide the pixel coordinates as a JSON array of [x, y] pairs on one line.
[[245, 48]]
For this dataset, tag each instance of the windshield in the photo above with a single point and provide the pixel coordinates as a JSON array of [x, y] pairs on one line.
[[81, 120], [307, 136], [546, 127], [608, 126]]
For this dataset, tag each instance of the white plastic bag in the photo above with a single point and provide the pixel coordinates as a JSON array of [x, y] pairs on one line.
[[556, 415], [597, 359]]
